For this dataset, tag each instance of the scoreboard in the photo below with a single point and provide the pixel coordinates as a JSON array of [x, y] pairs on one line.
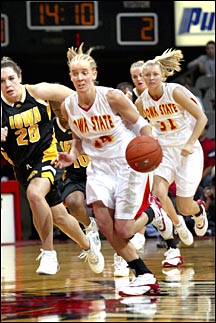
[[34, 26]]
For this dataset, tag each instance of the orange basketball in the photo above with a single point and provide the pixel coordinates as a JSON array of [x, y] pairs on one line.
[[144, 154]]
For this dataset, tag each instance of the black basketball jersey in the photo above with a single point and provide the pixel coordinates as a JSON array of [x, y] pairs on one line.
[[30, 129], [64, 136]]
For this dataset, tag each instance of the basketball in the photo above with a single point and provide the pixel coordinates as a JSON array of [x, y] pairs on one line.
[[144, 154]]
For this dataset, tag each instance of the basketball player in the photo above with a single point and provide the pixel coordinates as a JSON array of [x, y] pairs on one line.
[[137, 79], [29, 144], [173, 257], [177, 120], [74, 188], [96, 116]]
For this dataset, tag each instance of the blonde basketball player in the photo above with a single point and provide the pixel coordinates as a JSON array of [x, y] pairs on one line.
[[97, 116], [177, 121]]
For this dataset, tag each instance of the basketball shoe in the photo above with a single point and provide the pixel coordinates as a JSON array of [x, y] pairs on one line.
[[138, 241], [183, 232], [161, 220], [201, 221], [93, 227], [121, 268], [93, 255], [173, 258], [48, 263], [145, 284]]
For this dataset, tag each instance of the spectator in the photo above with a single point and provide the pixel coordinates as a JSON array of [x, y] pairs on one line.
[[209, 196], [204, 64], [208, 146], [187, 81]]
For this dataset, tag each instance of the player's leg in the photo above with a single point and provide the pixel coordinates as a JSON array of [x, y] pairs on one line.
[[70, 226], [186, 185], [74, 196], [187, 206], [160, 189]]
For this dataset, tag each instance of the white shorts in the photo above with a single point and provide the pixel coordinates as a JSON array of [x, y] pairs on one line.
[[185, 171], [117, 185]]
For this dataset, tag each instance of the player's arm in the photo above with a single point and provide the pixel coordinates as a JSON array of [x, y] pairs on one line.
[[139, 106], [186, 103], [128, 111], [50, 91]]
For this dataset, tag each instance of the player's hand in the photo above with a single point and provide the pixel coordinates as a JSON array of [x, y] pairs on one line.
[[63, 160], [187, 149]]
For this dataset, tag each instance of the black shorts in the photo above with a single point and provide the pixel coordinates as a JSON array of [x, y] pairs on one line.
[[71, 185], [44, 170]]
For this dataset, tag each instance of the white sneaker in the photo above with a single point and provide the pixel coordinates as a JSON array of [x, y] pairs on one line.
[[161, 220], [141, 285], [94, 228], [93, 255], [48, 263], [138, 241], [201, 222], [121, 268], [183, 232], [173, 258]]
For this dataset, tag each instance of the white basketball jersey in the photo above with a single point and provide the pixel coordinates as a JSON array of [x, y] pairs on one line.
[[103, 134], [171, 124]]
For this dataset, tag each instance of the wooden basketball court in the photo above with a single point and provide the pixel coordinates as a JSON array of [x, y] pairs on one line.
[[76, 294]]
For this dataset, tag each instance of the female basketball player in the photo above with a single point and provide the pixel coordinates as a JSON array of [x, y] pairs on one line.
[[177, 121], [29, 144], [173, 256], [96, 116]]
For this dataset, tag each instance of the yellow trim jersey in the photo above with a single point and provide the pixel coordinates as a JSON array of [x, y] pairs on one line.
[[64, 136], [30, 130]]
